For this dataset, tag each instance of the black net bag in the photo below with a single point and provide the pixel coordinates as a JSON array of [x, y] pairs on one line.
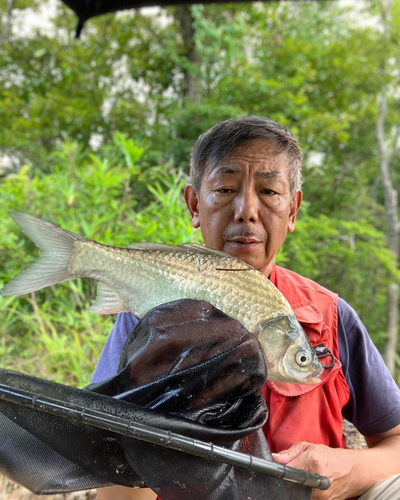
[[186, 368]]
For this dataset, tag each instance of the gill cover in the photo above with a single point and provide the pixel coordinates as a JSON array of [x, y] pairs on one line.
[[289, 354]]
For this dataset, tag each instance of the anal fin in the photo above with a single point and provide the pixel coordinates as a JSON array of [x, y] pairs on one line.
[[107, 301]]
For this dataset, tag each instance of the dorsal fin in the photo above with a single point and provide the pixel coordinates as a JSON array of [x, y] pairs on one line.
[[196, 247], [237, 264], [176, 248], [150, 246]]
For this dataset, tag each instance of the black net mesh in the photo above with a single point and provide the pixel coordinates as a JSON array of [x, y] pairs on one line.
[[187, 368]]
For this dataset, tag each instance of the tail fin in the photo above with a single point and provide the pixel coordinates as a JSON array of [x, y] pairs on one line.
[[55, 245]]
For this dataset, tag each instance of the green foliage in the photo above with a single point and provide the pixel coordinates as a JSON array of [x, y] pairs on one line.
[[50, 333], [126, 74], [166, 218], [309, 65]]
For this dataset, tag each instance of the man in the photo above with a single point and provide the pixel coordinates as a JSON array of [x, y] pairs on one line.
[[244, 196]]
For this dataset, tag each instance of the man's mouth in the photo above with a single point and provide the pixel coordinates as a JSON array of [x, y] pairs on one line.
[[244, 243]]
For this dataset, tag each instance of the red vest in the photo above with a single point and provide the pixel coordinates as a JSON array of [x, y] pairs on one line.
[[311, 413]]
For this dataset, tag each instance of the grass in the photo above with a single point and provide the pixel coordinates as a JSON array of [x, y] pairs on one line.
[[61, 344]]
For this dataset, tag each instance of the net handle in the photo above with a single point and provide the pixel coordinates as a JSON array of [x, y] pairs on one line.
[[168, 439]]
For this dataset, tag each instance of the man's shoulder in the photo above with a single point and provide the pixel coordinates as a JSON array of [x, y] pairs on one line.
[[346, 313], [285, 275]]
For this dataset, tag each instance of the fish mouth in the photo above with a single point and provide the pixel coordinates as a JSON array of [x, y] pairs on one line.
[[313, 378]]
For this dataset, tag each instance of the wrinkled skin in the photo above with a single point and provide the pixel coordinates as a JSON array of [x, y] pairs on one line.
[[245, 207]]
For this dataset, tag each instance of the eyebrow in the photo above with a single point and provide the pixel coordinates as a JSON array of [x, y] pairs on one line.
[[227, 170], [236, 170], [268, 175]]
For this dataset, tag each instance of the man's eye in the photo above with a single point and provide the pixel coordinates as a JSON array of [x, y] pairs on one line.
[[268, 191], [224, 190]]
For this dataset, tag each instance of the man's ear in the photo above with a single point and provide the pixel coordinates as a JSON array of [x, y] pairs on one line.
[[294, 208], [193, 205]]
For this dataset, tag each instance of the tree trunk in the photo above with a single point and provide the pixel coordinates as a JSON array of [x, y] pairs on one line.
[[7, 21], [392, 328], [391, 206], [191, 89]]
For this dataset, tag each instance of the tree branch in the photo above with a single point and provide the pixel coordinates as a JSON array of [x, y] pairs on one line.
[[7, 23]]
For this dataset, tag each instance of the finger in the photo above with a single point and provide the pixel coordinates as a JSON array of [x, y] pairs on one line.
[[283, 457], [286, 456]]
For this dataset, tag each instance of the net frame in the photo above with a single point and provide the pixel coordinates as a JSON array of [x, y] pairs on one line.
[[167, 439]]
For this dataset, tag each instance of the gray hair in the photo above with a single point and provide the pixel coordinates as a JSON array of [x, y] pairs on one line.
[[226, 138]]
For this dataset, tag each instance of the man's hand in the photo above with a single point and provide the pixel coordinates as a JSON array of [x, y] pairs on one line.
[[352, 472], [322, 460], [123, 493]]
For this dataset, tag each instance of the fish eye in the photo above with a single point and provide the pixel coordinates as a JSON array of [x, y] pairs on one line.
[[302, 357]]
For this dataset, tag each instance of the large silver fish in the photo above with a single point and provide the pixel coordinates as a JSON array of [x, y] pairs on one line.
[[145, 275]]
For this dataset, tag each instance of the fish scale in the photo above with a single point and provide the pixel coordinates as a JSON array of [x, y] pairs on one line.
[[152, 268], [145, 275]]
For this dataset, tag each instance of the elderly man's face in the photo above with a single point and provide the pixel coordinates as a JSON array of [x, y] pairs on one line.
[[244, 206]]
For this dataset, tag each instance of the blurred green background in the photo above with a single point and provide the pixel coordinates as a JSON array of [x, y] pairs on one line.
[[95, 136]]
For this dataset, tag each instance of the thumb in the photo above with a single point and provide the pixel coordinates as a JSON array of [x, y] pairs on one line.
[[286, 456]]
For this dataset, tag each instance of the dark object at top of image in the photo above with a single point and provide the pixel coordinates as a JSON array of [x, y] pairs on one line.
[[85, 9]]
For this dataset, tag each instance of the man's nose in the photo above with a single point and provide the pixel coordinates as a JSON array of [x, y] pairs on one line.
[[246, 207]]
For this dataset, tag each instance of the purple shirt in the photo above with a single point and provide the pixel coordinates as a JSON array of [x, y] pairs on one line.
[[374, 405]]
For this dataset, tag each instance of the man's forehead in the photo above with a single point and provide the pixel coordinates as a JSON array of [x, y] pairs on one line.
[[263, 172], [265, 164]]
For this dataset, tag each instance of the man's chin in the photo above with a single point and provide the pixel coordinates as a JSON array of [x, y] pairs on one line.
[[251, 254]]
